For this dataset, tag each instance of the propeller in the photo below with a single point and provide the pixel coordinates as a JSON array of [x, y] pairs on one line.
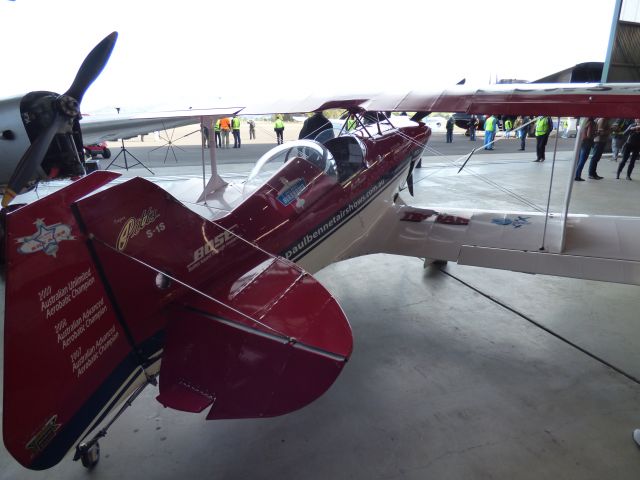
[[416, 160], [66, 109], [410, 178]]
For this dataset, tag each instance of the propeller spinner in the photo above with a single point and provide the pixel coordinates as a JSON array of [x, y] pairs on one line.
[[66, 109]]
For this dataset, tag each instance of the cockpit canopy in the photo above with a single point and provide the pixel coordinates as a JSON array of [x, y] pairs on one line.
[[276, 159], [338, 158]]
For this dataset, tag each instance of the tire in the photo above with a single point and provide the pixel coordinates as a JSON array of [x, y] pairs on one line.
[[106, 153], [87, 153], [91, 457]]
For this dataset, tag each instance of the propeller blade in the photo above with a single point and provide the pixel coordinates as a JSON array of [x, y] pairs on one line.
[[66, 109], [92, 66], [31, 160], [410, 178]]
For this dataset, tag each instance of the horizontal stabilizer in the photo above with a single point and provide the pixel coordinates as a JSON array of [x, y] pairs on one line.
[[291, 352], [247, 331]]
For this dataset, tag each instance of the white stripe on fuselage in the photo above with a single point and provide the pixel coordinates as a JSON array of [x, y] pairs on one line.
[[352, 238]]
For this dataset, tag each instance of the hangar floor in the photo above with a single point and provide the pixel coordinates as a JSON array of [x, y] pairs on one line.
[[457, 372]]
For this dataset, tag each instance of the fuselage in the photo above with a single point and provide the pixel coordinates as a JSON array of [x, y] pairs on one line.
[[330, 218]]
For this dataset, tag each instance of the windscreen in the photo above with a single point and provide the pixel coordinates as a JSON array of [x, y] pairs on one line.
[[276, 159]]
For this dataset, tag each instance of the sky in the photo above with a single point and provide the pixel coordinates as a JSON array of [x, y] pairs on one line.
[[190, 53]]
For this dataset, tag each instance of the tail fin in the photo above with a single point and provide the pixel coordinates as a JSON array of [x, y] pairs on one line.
[[65, 354], [98, 285]]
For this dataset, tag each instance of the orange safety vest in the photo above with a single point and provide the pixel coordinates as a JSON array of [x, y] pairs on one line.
[[225, 124]]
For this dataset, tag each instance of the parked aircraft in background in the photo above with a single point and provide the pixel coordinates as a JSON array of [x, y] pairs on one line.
[[44, 127], [109, 283]]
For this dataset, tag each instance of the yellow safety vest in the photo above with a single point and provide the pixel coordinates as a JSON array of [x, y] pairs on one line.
[[351, 124], [490, 124], [216, 128], [279, 124], [235, 123], [542, 126]]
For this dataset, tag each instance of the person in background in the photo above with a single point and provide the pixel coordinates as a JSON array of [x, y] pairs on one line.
[[508, 126], [314, 125], [252, 129], [587, 133], [225, 128], [351, 122], [532, 126], [216, 131], [517, 123], [449, 127], [205, 136], [544, 126], [602, 135], [618, 126], [235, 128], [473, 124], [490, 128], [523, 130], [631, 148], [278, 127]]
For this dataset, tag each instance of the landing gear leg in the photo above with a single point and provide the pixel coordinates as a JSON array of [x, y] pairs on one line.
[[435, 262], [89, 452]]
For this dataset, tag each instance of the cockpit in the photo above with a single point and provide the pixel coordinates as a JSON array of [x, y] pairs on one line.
[[337, 160], [310, 152]]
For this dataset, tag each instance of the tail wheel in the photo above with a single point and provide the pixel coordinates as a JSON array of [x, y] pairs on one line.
[[91, 456], [106, 153]]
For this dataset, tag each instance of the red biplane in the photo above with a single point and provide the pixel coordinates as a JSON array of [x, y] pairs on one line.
[[109, 283]]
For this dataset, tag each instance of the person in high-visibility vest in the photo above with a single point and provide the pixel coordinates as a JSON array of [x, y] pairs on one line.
[[490, 127], [544, 125], [235, 127], [351, 122], [216, 130], [225, 128], [278, 127], [508, 126]]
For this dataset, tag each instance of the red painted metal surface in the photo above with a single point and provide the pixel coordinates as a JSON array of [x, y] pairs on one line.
[[557, 99], [97, 285], [241, 327], [239, 315], [61, 336], [567, 100]]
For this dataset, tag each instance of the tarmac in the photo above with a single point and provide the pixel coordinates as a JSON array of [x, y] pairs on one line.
[[457, 372]]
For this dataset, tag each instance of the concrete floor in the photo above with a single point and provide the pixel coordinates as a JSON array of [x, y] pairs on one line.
[[450, 378]]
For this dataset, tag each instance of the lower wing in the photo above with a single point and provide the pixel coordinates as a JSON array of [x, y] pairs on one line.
[[595, 247]]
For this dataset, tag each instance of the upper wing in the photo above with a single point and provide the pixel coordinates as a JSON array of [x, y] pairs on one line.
[[97, 129], [576, 100], [571, 99]]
